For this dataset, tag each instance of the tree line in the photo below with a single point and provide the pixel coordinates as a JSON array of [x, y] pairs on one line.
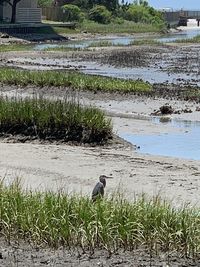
[[105, 11], [101, 11]]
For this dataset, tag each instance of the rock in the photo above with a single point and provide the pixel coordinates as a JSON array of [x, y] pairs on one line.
[[187, 110], [165, 109], [4, 35]]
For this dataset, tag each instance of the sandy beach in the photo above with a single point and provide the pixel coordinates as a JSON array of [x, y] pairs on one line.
[[75, 169]]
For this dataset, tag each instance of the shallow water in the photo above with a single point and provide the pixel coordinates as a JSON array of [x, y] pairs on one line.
[[85, 43], [184, 144], [149, 74], [185, 34]]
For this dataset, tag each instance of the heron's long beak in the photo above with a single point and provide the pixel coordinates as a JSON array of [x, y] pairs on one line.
[[108, 177]]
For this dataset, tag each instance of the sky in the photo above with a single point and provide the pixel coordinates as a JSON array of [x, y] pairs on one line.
[[175, 4]]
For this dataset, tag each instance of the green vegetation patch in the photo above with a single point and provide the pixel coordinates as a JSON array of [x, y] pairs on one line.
[[195, 39], [146, 42], [15, 47], [124, 27], [109, 16], [56, 219], [73, 80], [58, 120], [62, 48], [102, 43]]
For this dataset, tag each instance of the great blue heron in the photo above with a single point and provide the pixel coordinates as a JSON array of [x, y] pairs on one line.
[[98, 190]]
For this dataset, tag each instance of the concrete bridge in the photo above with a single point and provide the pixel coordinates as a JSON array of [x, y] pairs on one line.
[[180, 18]]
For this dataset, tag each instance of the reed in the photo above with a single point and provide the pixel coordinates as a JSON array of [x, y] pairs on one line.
[[57, 219], [72, 80], [39, 118], [125, 27], [101, 43], [195, 39], [146, 42], [15, 47]]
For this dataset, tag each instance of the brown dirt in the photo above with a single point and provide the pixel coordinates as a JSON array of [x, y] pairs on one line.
[[21, 254]]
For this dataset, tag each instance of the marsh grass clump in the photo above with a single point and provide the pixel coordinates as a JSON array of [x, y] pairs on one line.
[[57, 219], [72, 80], [15, 47], [195, 39], [63, 48], [146, 42], [102, 43], [39, 118]]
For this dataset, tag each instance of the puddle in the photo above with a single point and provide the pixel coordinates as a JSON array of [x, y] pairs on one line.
[[184, 144]]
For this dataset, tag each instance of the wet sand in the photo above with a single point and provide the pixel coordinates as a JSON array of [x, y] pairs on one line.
[[75, 169]]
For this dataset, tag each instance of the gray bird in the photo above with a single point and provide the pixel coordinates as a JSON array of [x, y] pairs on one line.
[[98, 190]]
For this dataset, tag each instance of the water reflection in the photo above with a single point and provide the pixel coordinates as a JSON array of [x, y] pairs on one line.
[[185, 144]]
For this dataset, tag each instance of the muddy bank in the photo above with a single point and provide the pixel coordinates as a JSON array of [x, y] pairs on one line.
[[25, 255], [157, 65], [54, 37], [32, 38]]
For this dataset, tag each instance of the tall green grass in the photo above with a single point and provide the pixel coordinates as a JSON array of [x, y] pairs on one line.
[[94, 27], [125, 27], [101, 43], [63, 48], [15, 47], [146, 42], [58, 219], [195, 39], [53, 120], [73, 80]]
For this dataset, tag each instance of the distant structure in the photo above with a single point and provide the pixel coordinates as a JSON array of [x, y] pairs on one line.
[[180, 17], [27, 12], [165, 9]]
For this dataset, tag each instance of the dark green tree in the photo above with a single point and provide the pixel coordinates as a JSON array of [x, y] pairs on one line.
[[100, 14], [83, 4], [13, 5], [45, 3], [111, 5]]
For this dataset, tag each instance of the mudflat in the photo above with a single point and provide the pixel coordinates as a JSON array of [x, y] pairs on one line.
[[75, 169]]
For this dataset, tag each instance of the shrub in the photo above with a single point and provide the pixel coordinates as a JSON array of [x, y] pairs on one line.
[[44, 3], [72, 13], [141, 13], [100, 14], [118, 20], [136, 13]]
